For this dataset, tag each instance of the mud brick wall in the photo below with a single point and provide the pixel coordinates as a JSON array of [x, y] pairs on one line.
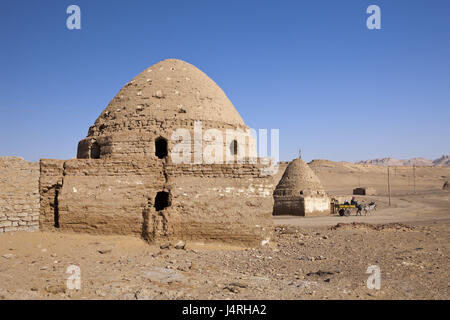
[[229, 203], [51, 178], [19, 195], [99, 196], [227, 209], [183, 144]]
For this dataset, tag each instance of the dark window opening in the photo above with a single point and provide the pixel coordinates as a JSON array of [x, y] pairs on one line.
[[161, 148], [162, 200], [234, 147], [56, 209], [95, 151]]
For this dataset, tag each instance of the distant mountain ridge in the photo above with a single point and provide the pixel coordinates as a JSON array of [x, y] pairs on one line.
[[443, 161]]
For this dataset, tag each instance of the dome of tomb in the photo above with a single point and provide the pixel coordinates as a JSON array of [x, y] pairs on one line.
[[171, 93], [299, 180]]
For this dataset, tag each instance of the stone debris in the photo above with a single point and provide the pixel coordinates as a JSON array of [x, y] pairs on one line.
[[163, 275], [411, 266], [377, 227], [55, 289], [320, 273], [318, 258], [180, 245]]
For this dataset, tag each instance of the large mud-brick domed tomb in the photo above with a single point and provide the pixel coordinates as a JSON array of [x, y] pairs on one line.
[[169, 158]]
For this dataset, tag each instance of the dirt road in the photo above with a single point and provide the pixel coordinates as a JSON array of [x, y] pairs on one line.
[[420, 208]]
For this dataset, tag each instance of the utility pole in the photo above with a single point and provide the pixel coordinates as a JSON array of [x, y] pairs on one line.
[[414, 174], [389, 186]]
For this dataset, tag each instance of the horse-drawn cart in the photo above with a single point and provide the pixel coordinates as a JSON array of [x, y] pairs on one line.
[[343, 209], [346, 209]]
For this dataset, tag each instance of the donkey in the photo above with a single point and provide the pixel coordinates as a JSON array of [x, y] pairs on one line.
[[366, 207], [370, 207]]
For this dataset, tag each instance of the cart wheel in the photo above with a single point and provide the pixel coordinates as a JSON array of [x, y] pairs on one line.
[[347, 212], [341, 212]]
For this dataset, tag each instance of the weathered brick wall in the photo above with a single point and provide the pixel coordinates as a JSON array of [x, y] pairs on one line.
[[227, 209], [100, 196], [50, 183], [230, 203], [141, 143], [19, 195]]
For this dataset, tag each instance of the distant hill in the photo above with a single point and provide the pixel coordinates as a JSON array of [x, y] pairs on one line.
[[443, 161]]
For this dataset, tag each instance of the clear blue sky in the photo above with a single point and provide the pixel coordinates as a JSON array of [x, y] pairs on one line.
[[309, 68]]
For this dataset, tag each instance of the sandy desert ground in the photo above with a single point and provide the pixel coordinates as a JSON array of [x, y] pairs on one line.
[[311, 258]]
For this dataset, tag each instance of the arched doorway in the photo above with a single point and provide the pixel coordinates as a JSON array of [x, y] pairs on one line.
[[234, 147]]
